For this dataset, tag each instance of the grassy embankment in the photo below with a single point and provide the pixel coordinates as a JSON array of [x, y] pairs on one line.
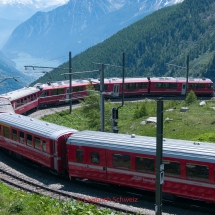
[[198, 123], [19, 202]]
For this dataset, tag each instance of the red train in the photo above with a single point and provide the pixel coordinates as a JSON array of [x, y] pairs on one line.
[[113, 158], [29, 98]]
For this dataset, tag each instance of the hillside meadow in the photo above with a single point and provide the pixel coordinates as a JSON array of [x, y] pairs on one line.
[[197, 124]]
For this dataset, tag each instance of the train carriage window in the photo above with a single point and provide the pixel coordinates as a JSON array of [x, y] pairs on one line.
[[210, 86], [44, 94], [144, 164], [197, 86], [96, 87], [126, 86], [132, 87], [158, 85], [14, 134], [25, 100], [6, 131], [21, 137], [29, 140], [165, 85], [79, 155], [37, 143], [44, 145], [172, 85], [29, 99], [60, 91], [95, 157], [55, 92], [35, 96], [172, 168], [141, 85], [197, 172], [77, 89], [121, 161]]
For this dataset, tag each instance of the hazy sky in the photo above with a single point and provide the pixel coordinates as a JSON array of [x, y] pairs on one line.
[[49, 2]]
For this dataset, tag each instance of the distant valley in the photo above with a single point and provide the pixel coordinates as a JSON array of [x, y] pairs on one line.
[[76, 26]]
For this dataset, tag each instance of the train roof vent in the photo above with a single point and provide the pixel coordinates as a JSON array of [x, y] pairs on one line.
[[203, 79], [191, 79], [196, 143], [133, 136], [161, 78]]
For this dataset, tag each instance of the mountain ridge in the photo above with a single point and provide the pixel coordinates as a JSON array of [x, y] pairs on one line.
[[164, 37], [77, 25]]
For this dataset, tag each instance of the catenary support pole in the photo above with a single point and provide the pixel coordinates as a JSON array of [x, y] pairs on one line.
[[159, 158], [187, 75], [123, 77], [102, 97], [70, 82]]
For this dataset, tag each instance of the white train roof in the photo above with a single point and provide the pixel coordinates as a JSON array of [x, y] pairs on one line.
[[61, 83], [17, 94], [119, 80], [182, 149], [34, 126], [5, 106]]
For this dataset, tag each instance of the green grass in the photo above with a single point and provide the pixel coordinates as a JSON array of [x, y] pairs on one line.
[[198, 123], [19, 202]]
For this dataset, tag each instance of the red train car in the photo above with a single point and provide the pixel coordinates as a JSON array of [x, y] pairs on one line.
[[159, 86], [58, 92], [28, 98], [130, 161], [39, 141], [24, 99]]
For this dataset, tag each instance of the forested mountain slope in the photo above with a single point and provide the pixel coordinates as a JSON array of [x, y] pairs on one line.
[[166, 36]]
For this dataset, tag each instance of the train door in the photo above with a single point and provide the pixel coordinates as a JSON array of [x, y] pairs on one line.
[[67, 94], [55, 155], [183, 89], [116, 90], [96, 167]]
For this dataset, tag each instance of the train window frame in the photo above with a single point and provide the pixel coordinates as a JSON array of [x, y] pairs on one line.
[[28, 99], [96, 87], [196, 178], [22, 136], [79, 155], [122, 157], [6, 131], [145, 160], [172, 171], [60, 91], [95, 157], [14, 135], [44, 94], [29, 139], [54, 92], [44, 145], [37, 143], [141, 85]]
